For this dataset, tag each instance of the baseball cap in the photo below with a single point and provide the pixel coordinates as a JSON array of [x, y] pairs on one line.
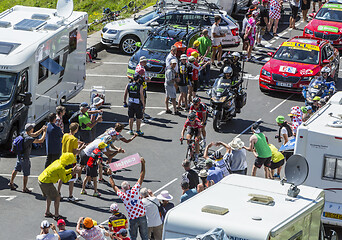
[[183, 56], [196, 43], [98, 100], [280, 119], [142, 59], [173, 61], [29, 126], [88, 222], [45, 224], [114, 207], [195, 54], [102, 145], [61, 222], [84, 104], [317, 98], [304, 109]]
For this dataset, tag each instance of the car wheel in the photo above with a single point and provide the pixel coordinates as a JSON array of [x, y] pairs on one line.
[[127, 45]]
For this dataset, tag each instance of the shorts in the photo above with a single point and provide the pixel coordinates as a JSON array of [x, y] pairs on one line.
[[91, 171], [305, 6], [135, 110], [287, 154], [183, 89], [241, 172], [193, 131], [84, 158], [294, 11], [261, 30], [216, 47], [23, 164], [85, 135], [49, 190], [195, 85], [262, 161], [170, 91], [276, 165]]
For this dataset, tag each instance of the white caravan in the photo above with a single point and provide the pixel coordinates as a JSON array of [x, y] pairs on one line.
[[248, 208], [319, 140], [42, 52]]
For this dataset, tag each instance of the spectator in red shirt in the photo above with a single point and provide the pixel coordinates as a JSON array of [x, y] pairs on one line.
[[133, 204], [193, 49]]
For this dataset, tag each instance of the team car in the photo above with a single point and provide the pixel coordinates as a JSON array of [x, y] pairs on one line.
[[157, 46], [327, 24], [295, 62], [126, 33]]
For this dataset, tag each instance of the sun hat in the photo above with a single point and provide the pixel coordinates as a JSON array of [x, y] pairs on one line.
[[29, 126], [114, 207], [183, 57], [88, 222], [142, 59], [203, 173], [165, 195], [280, 119], [196, 43], [45, 224], [97, 100], [195, 54], [61, 222], [102, 145], [192, 59], [236, 144], [173, 61]]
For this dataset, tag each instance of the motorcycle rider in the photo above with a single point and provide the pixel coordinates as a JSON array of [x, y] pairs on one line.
[[327, 80], [236, 65]]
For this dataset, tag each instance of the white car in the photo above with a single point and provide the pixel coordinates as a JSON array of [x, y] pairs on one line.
[[126, 33]]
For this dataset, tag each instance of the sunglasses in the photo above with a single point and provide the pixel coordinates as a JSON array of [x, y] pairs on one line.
[[191, 120]]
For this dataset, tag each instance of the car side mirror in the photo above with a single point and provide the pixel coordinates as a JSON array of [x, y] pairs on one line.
[[138, 44], [270, 54], [154, 24], [326, 61], [25, 98]]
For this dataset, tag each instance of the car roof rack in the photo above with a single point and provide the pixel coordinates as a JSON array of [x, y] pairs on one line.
[[179, 5], [164, 30]]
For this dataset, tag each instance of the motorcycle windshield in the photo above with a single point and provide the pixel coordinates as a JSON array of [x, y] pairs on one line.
[[315, 87]]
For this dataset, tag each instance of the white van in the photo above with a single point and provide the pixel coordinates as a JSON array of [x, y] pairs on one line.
[[319, 140], [43, 54], [248, 208]]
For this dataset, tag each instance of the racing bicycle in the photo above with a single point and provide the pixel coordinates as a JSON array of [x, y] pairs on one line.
[[190, 151]]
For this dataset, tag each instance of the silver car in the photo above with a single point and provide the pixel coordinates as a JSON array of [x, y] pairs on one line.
[[126, 33]]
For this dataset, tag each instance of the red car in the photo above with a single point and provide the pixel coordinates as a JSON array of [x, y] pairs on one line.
[[327, 24], [295, 62]]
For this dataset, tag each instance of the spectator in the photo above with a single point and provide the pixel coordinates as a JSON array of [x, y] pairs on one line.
[[205, 51], [277, 161], [205, 183], [236, 157], [184, 81], [152, 205], [23, 158], [219, 160], [122, 235], [261, 27], [116, 135], [250, 34], [274, 15], [70, 145], [166, 205], [187, 192], [190, 175], [60, 112], [140, 69], [90, 232], [196, 68], [284, 134], [63, 233], [51, 175], [214, 173], [93, 162], [258, 144], [296, 118], [171, 56], [170, 89], [54, 136], [243, 29], [314, 6], [294, 4], [44, 232], [97, 103], [136, 103], [85, 123], [308, 113], [133, 204], [194, 48], [305, 6], [216, 36], [117, 220]]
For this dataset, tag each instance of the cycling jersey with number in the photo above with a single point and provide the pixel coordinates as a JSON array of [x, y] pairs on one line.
[[200, 111]]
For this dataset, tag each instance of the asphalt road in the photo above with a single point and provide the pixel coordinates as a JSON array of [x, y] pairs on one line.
[[21, 214]]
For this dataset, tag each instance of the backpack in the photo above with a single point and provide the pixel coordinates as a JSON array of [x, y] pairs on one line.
[[74, 117], [18, 145]]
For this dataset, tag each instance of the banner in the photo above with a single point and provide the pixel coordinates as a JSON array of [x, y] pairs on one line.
[[125, 162], [290, 145]]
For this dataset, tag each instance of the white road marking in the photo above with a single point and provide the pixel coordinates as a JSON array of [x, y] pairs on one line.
[[122, 91], [162, 112], [167, 184], [118, 106], [9, 175], [273, 40], [250, 77], [8, 198], [103, 75], [109, 122], [248, 128], [115, 63], [283, 33], [281, 103]]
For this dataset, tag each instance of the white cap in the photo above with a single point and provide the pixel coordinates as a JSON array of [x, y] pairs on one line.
[[174, 61], [45, 224]]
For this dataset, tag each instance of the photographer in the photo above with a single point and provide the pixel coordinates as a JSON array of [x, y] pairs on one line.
[[284, 134], [44, 232], [90, 231]]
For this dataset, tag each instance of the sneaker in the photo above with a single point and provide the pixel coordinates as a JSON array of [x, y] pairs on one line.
[[140, 133], [177, 113], [83, 192], [72, 199], [89, 185], [131, 132], [97, 194], [79, 181], [168, 111], [147, 116]]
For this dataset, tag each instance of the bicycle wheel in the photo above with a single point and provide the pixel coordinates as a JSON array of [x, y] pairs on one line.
[[188, 154]]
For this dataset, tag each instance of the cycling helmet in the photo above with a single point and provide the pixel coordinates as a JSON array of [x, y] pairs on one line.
[[192, 115], [228, 70], [102, 145], [217, 155], [196, 100], [325, 70], [114, 207], [136, 77], [107, 138]]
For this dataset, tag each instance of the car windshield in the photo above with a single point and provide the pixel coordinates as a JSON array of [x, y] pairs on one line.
[[297, 54], [330, 14], [147, 17], [7, 81], [159, 43]]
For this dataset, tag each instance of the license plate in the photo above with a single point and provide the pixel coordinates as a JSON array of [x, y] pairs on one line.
[[332, 215], [151, 74], [282, 84]]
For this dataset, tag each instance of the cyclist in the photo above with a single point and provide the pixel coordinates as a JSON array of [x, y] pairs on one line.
[[193, 126], [201, 111]]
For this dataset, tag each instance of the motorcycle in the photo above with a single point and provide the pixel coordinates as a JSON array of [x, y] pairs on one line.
[[316, 88]]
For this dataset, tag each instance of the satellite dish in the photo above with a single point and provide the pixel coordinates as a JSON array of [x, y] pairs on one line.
[[65, 8], [296, 172]]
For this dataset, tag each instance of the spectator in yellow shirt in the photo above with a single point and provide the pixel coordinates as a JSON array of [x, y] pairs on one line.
[[277, 161]]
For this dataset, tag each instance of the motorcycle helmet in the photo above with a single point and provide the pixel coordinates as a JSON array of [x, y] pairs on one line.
[[236, 56], [228, 70], [217, 155], [196, 100], [325, 70], [192, 116]]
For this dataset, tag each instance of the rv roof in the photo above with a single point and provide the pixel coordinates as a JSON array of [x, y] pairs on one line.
[[234, 193], [319, 121], [24, 28]]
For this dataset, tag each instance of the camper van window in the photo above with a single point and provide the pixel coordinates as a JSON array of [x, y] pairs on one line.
[[72, 41], [7, 81], [43, 72], [332, 167]]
